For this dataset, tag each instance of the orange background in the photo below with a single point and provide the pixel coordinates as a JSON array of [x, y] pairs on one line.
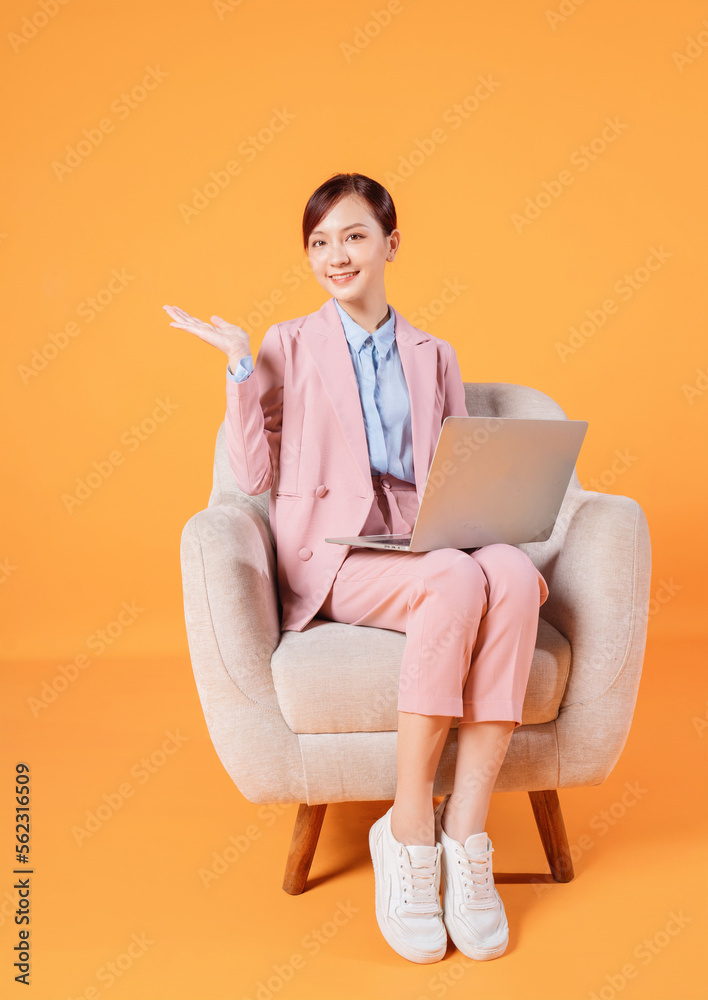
[[383, 104]]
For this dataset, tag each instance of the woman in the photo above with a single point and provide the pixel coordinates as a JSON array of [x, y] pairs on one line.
[[339, 418]]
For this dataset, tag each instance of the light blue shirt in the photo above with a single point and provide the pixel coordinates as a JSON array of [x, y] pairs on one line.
[[383, 392]]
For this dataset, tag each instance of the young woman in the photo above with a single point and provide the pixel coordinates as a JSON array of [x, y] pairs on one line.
[[339, 418]]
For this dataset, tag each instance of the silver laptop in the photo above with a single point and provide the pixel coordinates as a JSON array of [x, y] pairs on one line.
[[492, 479]]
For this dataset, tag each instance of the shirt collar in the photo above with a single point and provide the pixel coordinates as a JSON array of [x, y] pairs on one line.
[[356, 335]]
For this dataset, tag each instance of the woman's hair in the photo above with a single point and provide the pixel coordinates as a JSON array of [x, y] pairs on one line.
[[339, 186]]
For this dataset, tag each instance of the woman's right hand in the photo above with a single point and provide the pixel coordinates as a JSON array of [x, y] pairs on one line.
[[227, 337]]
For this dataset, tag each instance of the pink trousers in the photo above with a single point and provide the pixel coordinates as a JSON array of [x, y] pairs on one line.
[[470, 615]]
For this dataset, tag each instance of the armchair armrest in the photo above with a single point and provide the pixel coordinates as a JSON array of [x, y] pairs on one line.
[[598, 575], [233, 626], [230, 591]]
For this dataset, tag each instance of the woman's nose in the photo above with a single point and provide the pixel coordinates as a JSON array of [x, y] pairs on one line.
[[339, 254]]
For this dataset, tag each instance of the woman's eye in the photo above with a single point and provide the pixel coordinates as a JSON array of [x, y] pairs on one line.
[[316, 242]]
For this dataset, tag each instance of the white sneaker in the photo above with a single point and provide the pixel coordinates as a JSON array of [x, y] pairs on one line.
[[407, 889], [472, 908]]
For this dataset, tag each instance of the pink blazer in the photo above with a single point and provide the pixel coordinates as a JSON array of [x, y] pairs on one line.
[[295, 426]]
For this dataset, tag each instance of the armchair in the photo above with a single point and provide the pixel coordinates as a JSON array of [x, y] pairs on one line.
[[293, 720]]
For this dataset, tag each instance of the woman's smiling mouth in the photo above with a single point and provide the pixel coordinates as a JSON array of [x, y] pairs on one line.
[[346, 276]]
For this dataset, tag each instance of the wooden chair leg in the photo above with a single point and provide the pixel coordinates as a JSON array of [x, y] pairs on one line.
[[308, 824], [549, 820], [546, 810]]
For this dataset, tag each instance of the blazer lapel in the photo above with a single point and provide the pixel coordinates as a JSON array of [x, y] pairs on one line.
[[322, 332], [418, 353]]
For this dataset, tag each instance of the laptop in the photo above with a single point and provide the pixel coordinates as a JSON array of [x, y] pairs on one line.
[[492, 479]]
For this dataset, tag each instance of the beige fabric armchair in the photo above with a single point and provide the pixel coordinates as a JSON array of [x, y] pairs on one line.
[[311, 717]]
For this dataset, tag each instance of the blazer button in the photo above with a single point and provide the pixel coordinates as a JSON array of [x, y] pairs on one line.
[[305, 553], [321, 490]]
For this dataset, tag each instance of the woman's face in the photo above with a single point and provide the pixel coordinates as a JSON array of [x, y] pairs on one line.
[[349, 241]]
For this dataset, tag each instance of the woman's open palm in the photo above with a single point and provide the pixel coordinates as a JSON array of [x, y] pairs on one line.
[[225, 336]]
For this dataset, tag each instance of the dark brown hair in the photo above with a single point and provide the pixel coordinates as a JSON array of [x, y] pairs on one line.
[[338, 186]]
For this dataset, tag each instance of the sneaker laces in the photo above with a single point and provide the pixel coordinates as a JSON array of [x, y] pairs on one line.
[[477, 877], [420, 891]]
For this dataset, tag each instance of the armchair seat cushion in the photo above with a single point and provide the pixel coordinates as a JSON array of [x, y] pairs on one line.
[[339, 678]]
